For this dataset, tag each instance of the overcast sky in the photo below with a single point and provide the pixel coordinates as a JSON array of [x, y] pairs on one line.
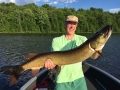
[[106, 5]]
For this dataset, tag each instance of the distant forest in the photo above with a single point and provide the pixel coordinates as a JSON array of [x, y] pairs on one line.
[[31, 18]]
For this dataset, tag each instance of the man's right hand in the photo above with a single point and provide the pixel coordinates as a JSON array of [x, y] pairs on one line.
[[49, 64]]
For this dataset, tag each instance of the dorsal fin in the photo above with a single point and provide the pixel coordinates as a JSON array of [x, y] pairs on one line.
[[30, 55]]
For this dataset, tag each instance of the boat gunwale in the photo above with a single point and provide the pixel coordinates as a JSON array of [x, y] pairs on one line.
[[103, 72], [34, 79]]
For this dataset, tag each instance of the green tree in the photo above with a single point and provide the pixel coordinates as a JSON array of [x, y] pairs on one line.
[[42, 20]]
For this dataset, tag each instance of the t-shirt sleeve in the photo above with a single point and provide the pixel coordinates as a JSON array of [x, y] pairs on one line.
[[85, 39], [55, 45], [80, 40]]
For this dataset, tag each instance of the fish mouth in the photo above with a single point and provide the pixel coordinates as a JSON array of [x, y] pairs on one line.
[[108, 34], [108, 31], [105, 31]]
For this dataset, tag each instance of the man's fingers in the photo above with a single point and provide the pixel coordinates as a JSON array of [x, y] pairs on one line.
[[49, 64]]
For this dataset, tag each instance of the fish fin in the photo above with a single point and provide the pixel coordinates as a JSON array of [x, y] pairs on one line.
[[58, 68], [13, 80], [30, 55], [35, 70]]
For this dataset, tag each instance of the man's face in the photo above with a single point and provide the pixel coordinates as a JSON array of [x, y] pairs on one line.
[[70, 27]]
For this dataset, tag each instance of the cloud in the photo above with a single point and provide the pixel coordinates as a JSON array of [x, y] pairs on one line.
[[6, 1], [70, 1], [53, 2], [23, 2], [20, 2], [13, 1], [60, 2], [114, 10]]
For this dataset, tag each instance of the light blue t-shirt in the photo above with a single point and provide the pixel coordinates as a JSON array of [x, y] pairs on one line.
[[69, 72]]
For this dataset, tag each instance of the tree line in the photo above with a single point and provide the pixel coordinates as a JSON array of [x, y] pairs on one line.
[[31, 18]]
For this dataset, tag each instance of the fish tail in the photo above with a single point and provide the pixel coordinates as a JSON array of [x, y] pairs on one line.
[[12, 70], [17, 71]]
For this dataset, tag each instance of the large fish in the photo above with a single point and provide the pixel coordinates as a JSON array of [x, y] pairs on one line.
[[78, 54]]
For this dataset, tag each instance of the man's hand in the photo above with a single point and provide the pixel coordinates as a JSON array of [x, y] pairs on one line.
[[49, 64], [96, 55]]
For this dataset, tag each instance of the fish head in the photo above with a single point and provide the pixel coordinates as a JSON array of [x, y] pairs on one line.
[[100, 38]]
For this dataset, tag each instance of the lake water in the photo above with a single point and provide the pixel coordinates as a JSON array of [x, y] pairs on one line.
[[14, 47]]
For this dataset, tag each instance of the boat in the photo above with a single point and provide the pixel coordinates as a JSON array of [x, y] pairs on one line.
[[96, 79]]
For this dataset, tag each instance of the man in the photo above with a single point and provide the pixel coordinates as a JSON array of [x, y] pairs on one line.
[[71, 76]]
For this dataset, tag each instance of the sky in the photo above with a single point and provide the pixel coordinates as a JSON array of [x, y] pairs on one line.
[[107, 5]]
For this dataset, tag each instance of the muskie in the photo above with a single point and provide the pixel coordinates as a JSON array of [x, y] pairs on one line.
[[82, 52]]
